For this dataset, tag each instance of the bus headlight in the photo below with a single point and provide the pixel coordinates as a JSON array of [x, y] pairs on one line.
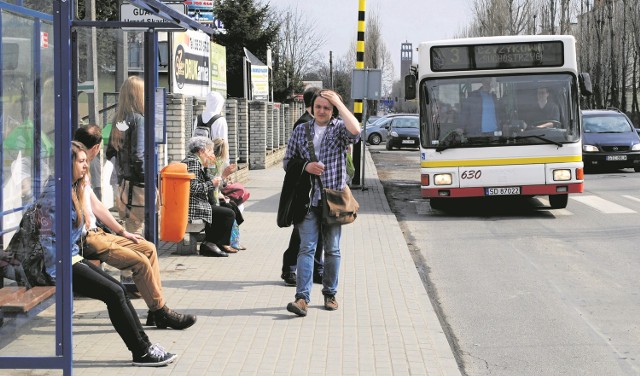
[[561, 175], [589, 148], [442, 179]]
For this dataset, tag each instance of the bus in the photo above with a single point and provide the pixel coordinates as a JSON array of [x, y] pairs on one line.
[[499, 116]]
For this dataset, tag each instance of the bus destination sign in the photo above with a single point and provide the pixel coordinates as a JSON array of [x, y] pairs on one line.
[[497, 56]]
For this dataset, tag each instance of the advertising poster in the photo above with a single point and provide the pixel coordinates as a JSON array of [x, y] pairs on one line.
[[218, 69], [260, 82], [190, 56]]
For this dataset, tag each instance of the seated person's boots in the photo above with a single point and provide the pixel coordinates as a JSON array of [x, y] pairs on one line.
[[165, 317]]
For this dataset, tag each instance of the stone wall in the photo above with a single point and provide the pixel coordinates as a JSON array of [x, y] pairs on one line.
[[258, 131]]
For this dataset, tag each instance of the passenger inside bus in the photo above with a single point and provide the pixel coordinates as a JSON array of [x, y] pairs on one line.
[[480, 110]]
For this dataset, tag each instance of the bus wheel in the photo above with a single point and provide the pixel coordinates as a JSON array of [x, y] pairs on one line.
[[558, 201], [436, 203]]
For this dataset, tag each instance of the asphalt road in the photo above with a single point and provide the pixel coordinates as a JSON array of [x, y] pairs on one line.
[[522, 289]]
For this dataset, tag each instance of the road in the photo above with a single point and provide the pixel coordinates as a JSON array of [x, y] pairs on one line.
[[522, 289]]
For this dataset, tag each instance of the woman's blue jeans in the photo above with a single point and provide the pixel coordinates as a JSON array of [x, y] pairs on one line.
[[311, 228]]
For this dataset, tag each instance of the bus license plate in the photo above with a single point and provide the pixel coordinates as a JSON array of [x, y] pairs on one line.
[[502, 191], [408, 142], [616, 157]]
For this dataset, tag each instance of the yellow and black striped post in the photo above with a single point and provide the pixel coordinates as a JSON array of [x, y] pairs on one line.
[[357, 103]]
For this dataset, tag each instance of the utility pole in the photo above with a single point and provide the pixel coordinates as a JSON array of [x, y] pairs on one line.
[[331, 70]]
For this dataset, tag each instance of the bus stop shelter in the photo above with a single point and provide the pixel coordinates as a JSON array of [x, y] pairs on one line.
[[38, 120]]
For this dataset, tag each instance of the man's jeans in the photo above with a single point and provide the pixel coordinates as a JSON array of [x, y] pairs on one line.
[[310, 228]]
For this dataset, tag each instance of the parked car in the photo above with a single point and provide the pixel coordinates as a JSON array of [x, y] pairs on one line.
[[403, 131], [377, 131], [609, 140], [372, 119]]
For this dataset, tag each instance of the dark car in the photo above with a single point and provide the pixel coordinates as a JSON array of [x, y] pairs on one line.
[[403, 132], [609, 140]]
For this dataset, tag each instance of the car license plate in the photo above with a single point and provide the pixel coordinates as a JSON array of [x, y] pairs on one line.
[[502, 191], [408, 142], [616, 157]]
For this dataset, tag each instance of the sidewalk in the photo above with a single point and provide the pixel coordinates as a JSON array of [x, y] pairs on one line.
[[385, 324]]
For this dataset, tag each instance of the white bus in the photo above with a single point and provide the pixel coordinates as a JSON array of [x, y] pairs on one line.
[[499, 116]]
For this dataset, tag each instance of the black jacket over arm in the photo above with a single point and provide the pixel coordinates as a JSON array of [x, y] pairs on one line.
[[294, 198]]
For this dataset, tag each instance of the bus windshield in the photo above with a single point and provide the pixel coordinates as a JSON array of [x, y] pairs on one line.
[[481, 111]]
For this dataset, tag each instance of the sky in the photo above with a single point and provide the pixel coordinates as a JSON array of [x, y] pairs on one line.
[[414, 21]]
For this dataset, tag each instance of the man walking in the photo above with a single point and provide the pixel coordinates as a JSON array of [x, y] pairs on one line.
[[331, 137]]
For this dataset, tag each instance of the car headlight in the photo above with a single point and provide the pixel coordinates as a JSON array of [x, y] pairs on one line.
[[561, 175], [589, 148], [394, 134], [442, 179], [635, 147]]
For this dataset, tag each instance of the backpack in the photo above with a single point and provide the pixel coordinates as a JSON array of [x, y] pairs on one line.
[[204, 129]]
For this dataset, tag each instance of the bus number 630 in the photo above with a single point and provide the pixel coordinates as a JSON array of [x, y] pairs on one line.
[[471, 174]]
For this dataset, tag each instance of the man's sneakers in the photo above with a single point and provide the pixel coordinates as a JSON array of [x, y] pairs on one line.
[[155, 356], [330, 303], [289, 278], [165, 318], [299, 307]]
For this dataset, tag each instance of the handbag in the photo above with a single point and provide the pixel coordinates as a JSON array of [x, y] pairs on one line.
[[338, 207], [237, 192]]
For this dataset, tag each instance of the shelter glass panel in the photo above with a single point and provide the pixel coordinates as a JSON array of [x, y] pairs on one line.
[[27, 305]]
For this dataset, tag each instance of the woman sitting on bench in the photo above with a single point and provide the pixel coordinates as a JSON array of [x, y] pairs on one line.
[[88, 279], [218, 219]]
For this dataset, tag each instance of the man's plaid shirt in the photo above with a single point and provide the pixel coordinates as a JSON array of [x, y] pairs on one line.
[[332, 153], [199, 207]]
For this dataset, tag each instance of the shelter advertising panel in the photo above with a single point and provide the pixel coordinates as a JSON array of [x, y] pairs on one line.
[[191, 53], [218, 69]]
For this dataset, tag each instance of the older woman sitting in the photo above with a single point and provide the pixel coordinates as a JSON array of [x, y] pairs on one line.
[[218, 219]]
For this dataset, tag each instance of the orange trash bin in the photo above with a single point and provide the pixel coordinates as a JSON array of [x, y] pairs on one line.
[[174, 201]]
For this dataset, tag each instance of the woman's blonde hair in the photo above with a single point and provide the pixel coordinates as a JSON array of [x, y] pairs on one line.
[[77, 196], [130, 100], [220, 149]]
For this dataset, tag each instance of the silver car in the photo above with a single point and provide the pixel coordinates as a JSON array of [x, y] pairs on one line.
[[377, 131]]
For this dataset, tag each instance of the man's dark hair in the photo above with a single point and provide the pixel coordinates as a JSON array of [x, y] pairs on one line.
[[89, 135], [308, 95]]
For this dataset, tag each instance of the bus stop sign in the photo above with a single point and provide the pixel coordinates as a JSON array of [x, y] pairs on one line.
[[366, 84]]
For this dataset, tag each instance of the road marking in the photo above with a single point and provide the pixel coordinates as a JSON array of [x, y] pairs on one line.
[[632, 198], [603, 205]]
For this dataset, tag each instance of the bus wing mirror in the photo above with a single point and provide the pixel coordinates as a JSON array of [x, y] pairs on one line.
[[409, 87], [585, 84]]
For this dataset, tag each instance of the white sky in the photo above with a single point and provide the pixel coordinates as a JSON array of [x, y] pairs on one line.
[[414, 21]]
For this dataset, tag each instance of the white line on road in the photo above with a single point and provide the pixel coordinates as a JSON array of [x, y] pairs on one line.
[[603, 205]]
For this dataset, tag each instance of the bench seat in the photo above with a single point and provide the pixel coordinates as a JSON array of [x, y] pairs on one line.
[[189, 244], [19, 300]]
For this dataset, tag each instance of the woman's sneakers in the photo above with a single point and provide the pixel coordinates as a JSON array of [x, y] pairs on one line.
[[165, 318], [155, 356]]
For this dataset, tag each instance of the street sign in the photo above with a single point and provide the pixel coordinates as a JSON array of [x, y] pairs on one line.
[[131, 13], [366, 84]]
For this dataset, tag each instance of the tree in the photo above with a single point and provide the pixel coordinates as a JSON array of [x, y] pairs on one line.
[[377, 56], [248, 25], [296, 50]]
